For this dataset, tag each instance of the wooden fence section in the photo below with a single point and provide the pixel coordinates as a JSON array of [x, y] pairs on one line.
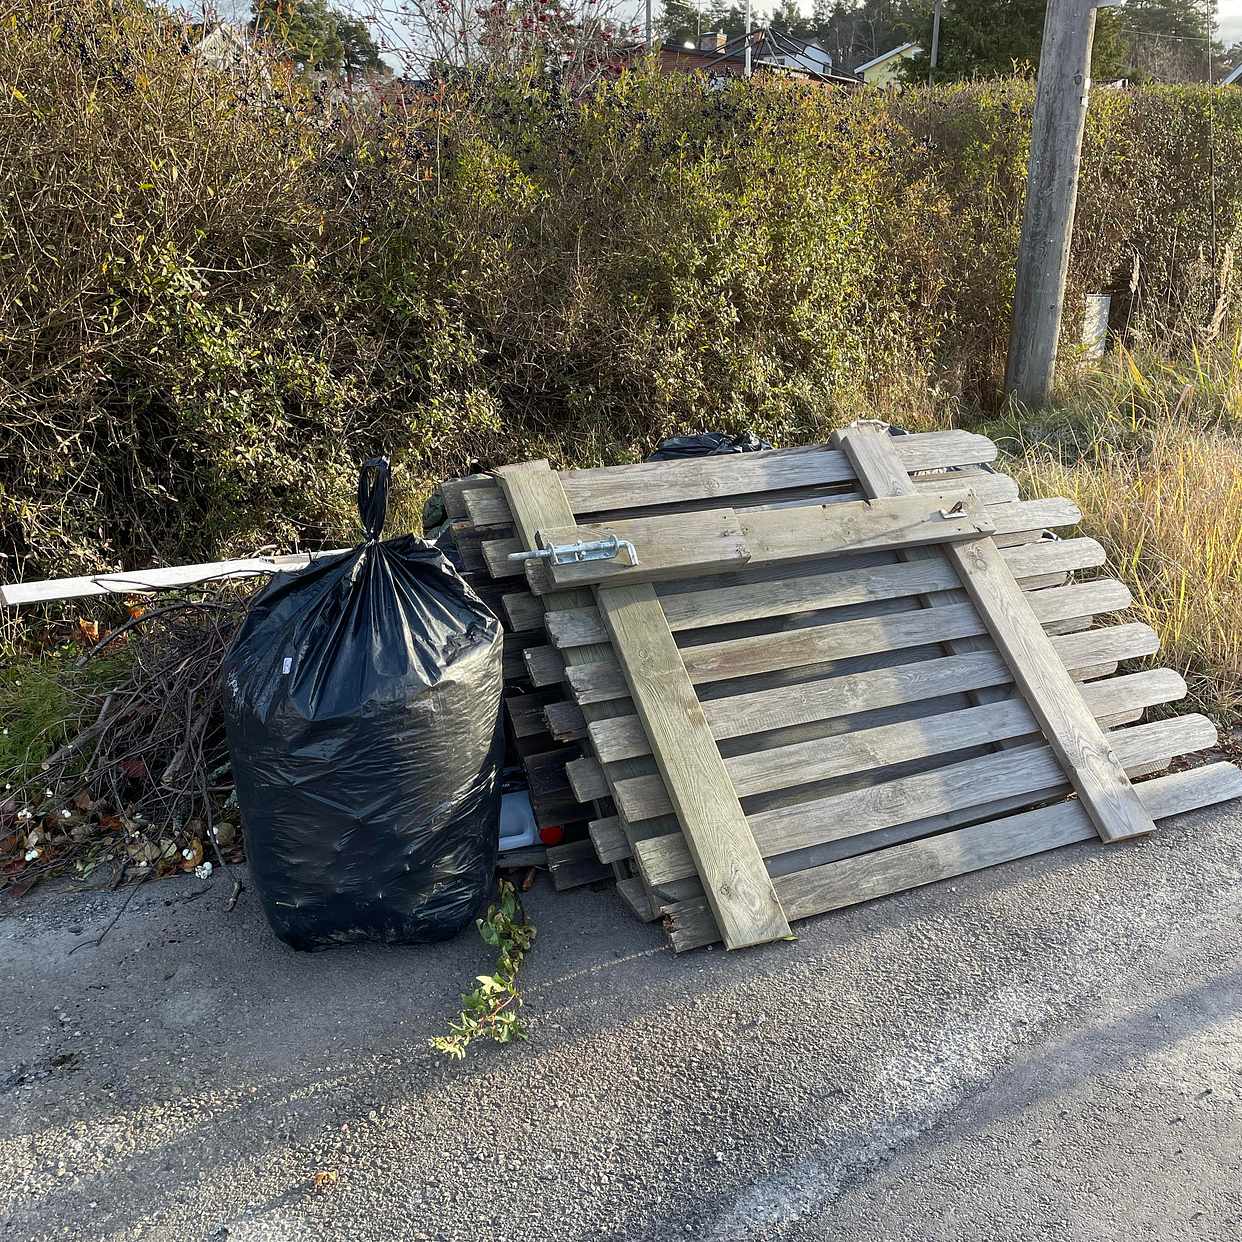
[[801, 689], [1071, 729]]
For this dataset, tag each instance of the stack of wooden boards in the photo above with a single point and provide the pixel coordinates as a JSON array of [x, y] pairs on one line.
[[835, 672]]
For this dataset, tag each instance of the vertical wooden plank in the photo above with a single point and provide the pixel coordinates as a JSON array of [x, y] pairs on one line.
[[1068, 725], [881, 471], [537, 501], [724, 851], [1071, 730]]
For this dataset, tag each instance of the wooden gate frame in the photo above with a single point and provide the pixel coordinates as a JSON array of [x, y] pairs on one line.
[[1067, 723], [735, 881]]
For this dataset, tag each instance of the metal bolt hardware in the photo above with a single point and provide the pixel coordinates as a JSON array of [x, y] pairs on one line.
[[609, 548], [982, 523]]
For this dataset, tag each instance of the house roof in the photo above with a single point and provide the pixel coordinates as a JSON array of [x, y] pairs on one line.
[[1234, 75], [883, 56], [732, 54]]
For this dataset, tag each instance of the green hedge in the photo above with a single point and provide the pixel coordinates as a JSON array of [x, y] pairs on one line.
[[218, 295]]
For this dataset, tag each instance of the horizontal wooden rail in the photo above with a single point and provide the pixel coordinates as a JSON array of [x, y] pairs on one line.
[[907, 799], [833, 886], [761, 711]]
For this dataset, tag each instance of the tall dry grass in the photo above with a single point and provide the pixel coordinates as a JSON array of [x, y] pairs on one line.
[[1151, 451]]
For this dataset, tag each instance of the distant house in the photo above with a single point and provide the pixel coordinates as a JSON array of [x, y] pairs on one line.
[[1233, 77], [885, 70], [221, 44], [718, 56], [792, 53]]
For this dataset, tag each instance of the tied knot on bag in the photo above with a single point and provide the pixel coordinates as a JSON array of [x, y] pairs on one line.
[[373, 496]]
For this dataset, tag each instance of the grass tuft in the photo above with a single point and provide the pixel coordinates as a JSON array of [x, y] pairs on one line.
[[1151, 451]]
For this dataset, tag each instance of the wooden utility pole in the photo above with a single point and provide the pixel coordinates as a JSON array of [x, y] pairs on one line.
[[1051, 193], [747, 68], [934, 59]]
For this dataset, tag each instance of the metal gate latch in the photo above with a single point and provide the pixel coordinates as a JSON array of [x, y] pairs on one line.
[[609, 548]]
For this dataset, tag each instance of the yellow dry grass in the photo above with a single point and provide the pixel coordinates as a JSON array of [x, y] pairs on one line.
[[1152, 453]]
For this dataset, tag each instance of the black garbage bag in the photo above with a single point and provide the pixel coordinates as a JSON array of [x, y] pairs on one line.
[[362, 704], [706, 444]]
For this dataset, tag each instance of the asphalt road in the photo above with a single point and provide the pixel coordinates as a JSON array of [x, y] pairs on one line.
[[1049, 1050]]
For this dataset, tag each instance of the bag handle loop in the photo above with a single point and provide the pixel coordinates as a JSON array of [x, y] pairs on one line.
[[373, 496]]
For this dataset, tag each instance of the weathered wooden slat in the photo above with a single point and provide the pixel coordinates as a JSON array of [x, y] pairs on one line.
[[803, 763], [525, 713], [689, 610], [487, 506], [535, 499], [575, 864], [975, 782], [1068, 726], [608, 836], [714, 829], [586, 779], [665, 482], [864, 526], [1084, 750], [764, 710], [867, 842], [523, 610], [495, 554], [1026, 520], [634, 893], [565, 721], [970, 783], [988, 487], [809, 647], [701, 609], [1015, 522], [683, 546], [454, 493], [836, 885], [796, 648], [718, 540], [545, 666]]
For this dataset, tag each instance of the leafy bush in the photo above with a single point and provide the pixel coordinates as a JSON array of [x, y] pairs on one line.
[[219, 293]]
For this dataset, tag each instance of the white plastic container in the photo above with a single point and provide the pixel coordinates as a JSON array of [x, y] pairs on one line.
[[517, 821]]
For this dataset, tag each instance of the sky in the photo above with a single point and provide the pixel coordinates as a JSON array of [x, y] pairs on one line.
[[1230, 16], [1229, 12]]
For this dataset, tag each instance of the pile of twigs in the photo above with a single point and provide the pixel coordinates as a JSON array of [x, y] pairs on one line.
[[143, 781]]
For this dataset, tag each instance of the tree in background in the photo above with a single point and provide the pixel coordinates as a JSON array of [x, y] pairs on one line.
[[788, 18], [570, 41], [851, 31], [1161, 40], [681, 22], [319, 37], [684, 22], [1001, 38], [1165, 40], [980, 39]]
